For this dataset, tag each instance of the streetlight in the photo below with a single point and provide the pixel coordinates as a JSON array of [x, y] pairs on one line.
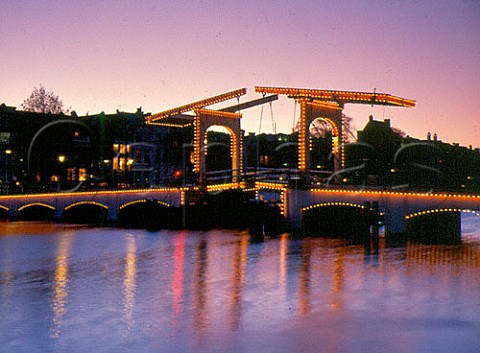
[[61, 159]]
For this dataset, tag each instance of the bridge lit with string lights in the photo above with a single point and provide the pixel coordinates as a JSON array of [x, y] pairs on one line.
[[298, 203]]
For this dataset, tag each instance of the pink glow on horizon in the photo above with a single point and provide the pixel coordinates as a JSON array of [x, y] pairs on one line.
[[108, 55]]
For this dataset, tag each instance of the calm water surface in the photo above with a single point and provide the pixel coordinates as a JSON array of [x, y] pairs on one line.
[[74, 289]]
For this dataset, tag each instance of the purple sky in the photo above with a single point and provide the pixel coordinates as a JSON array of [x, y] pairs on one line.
[[108, 55]]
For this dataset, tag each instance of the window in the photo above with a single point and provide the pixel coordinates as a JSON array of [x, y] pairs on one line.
[[5, 137], [82, 174], [71, 174]]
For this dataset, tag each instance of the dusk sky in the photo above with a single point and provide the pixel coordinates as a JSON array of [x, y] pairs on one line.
[[109, 55]]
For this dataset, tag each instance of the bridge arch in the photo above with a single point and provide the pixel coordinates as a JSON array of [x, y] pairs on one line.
[[141, 201], [329, 112], [206, 118], [323, 143], [35, 204], [4, 212], [36, 211], [330, 122], [93, 203], [336, 219], [441, 210], [86, 212], [436, 226], [147, 213], [330, 204], [215, 148]]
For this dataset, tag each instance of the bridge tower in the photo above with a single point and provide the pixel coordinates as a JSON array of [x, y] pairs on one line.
[[206, 118], [328, 106], [203, 119]]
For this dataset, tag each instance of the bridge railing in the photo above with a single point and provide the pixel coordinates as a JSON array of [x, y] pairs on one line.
[[250, 173], [276, 175]]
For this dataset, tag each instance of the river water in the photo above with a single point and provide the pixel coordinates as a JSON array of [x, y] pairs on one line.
[[78, 289]]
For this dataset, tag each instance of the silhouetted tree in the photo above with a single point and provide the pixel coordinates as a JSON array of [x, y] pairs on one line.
[[348, 129], [43, 101], [319, 128], [399, 132]]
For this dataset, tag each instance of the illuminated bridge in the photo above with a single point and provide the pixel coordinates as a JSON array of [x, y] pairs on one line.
[[332, 207], [111, 203], [396, 209]]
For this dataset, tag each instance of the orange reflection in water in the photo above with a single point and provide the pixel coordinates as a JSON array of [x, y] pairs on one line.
[[200, 289], [60, 290], [304, 277], [34, 228], [283, 261], [464, 257], [318, 259], [129, 281], [338, 279], [238, 279], [177, 276]]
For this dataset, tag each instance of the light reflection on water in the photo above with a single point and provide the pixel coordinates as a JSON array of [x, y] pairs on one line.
[[130, 278], [71, 289], [60, 291]]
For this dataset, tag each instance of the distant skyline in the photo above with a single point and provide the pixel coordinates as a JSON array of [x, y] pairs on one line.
[[108, 55]]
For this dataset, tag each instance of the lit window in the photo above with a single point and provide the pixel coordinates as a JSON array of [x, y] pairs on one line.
[[71, 174], [82, 174]]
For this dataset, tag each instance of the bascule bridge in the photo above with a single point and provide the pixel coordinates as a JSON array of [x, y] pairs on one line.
[[296, 204], [328, 105], [203, 119], [325, 105]]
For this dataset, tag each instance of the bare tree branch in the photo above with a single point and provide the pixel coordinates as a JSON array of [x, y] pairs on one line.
[[43, 101]]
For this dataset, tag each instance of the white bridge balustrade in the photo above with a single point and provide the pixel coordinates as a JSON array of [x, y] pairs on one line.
[[111, 200], [396, 207]]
